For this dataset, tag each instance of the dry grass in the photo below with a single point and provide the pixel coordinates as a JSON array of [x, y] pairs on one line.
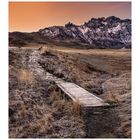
[[46, 49], [23, 110], [62, 103], [74, 68], [26, 76], [55, 95], [112, 98], [76, 108], [42, 124], [127, 130], [41, 110], [98, 52]]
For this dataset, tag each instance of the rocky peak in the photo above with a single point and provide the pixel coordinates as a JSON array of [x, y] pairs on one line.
[[112, 19], [100, 32], [69, 25]]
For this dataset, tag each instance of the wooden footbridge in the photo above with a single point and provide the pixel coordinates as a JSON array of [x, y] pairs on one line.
[[77, 93]]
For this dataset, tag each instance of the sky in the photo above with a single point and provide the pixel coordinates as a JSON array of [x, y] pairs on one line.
[[32, 16]]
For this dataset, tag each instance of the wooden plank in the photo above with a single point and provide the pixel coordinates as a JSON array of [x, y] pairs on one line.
[[77, 93], [80, 95]]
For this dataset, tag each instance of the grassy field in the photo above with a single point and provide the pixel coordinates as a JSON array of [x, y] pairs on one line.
[[103, 72], [108, 60]]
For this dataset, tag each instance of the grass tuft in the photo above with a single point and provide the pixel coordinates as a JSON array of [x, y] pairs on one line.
[[26, 76], [76, 108]]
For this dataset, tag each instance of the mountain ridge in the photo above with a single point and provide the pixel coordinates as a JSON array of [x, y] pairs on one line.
[[110, 32]]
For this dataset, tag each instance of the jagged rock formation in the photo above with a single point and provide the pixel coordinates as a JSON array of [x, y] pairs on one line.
[[110, 32]]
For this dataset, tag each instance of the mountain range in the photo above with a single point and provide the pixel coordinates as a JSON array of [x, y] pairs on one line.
[[110, 32]]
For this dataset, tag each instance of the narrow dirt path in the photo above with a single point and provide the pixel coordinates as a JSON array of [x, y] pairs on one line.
[[32, 63], [100, 121], [34, 111]]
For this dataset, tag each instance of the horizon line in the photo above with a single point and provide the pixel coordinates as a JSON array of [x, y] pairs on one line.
[[67, 23]]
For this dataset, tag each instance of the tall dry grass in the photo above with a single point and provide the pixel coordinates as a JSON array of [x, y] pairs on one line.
[[61, 101], [112, 98], [76, 107], [26, 76]]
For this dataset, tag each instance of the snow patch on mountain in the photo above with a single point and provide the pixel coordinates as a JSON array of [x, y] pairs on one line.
[[101, 32]]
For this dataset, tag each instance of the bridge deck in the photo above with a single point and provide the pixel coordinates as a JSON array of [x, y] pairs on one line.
[[80, 95], [77, 93]]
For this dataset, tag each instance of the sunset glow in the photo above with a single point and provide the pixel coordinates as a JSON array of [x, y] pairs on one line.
[[32, 16]]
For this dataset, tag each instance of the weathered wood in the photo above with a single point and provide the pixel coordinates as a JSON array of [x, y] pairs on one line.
[[77, 93], [80, 95]]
